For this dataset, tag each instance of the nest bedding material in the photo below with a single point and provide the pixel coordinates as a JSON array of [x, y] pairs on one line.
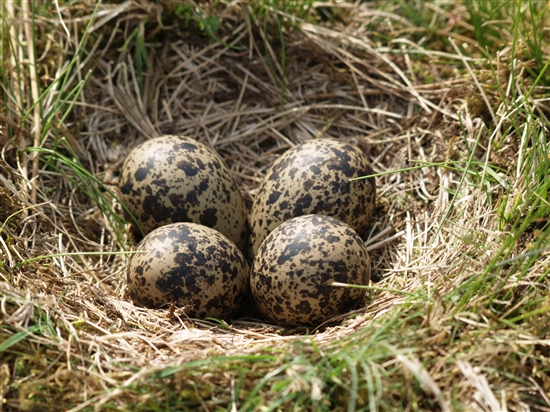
[[93, 347]]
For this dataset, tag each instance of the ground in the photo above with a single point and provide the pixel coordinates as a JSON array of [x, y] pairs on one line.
[[449, 101]]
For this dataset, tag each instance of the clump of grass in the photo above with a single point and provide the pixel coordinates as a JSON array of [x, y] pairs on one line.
[[454, 118]]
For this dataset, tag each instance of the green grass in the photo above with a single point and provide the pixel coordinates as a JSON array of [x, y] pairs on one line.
[[62, 94]]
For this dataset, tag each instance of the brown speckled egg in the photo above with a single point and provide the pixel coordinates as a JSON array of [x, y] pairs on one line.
[[314, 178], [296, 265], [172, 179], [191, 266]]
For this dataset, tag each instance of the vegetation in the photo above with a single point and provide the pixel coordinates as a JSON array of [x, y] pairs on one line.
[[449, 99]]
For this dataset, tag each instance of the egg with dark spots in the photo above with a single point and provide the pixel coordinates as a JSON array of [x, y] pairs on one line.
[[296, 265], [172, 179], [190, 266], [314, 178]]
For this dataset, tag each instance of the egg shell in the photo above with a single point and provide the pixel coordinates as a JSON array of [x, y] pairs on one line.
[[172, 179], [314, 178], [296, 265], [192, 266]]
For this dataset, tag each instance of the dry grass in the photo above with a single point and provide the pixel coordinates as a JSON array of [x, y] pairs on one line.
[[458, 317]]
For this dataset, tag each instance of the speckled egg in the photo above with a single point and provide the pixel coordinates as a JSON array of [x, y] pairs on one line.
[[172, 179], [191, 266], [314, 178], [296, 265]]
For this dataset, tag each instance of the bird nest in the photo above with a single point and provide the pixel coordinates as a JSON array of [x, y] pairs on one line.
[[250, 91]]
